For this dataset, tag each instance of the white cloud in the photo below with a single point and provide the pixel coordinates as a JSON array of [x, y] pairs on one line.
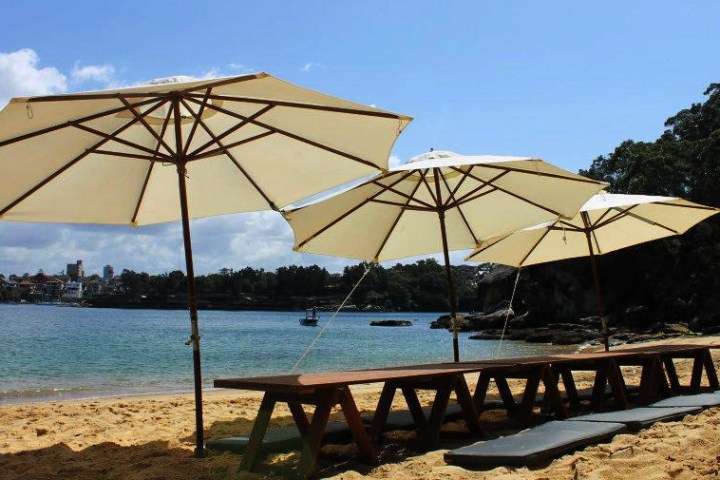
[[240, 68], [21, 76], [311, 66], [104, 74], [394, 161]]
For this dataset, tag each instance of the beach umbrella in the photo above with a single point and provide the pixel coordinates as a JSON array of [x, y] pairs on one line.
[[607, 222], [175, 150], [438, 202]]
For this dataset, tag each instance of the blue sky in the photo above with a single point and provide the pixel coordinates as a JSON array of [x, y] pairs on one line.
[[564, 81]]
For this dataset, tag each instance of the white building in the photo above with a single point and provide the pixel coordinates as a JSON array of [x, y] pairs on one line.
[[73, 291]]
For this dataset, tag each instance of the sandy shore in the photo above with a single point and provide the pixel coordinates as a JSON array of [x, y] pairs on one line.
[[151, 437]]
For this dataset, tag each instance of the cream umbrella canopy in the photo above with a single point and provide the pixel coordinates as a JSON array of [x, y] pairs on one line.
[[176, 150], [606, 223], [438, 202]]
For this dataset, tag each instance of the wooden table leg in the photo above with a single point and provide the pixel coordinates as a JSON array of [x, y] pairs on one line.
[[697, 370], [570, 387], [258, 432], [414, 406], [617, 384], [598, 391], [524, 412], [300, 417], [382, 410], [431, 432], [462, 392], [555, 403], [311, 444], [481, 391], [352, 417], [505, 393], [710, 369], [672, 374]]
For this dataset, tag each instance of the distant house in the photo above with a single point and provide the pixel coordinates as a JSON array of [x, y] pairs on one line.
[[73, 291], [26, 287]]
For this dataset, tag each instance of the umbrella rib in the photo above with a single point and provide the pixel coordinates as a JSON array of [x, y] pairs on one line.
[[397, 220], [491, 244], [534, 247], [451, 195], [307, 106], [217, 151], [536, 173], [128, 155], [423, 176], [227, 132], [227, 153], [401, 194], [292, 135], [356, 207], [113, 137], [193, 129], [101, 96], [226, 81], [469, 196], [400, 204], [71, 123], [141, 197], [457, 187], [519, 197], [65, 167], [144, 123], [628, 213]]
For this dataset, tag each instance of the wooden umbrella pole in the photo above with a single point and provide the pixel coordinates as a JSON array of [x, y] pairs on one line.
[[448, 270], [190, 271], [192, 306], [598, 287], [451, 289]]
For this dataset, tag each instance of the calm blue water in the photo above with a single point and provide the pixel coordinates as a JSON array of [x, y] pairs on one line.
[[49, 352]]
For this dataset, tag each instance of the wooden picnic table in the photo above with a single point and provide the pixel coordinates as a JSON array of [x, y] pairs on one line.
[[325, 390]]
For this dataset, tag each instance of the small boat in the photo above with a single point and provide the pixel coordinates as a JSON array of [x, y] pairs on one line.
[[311, 318]]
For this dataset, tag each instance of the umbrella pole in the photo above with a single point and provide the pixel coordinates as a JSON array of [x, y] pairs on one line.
[[598, 288], [451, 288], [192, 306], [601, 304]]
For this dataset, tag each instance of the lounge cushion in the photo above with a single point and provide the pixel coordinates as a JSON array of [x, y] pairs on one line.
[[639, 418], [282, 439], [403, 420], [534, 445], [703, 400]]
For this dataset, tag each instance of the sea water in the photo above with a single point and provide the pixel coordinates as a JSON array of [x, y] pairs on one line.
[[50, 352]]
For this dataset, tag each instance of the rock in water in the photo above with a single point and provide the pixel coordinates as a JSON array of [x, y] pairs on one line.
[[391, 323]]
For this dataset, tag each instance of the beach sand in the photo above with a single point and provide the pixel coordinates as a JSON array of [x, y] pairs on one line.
[[151, 438]]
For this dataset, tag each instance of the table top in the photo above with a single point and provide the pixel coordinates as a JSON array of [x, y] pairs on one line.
[[310, 381], [305, 382]]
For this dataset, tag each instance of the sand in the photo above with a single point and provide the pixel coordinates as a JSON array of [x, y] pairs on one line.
[[151, 437]]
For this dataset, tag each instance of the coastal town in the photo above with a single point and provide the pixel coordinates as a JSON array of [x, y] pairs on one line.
[[68, 287]]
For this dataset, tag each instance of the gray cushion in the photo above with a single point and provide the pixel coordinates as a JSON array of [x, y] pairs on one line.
[[532, 446], [638, 418], [282, 439], [703, 400], [403, 420]]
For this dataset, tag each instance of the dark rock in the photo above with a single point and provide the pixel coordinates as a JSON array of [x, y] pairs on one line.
[[391, 323], [443, 321], [639, 316]]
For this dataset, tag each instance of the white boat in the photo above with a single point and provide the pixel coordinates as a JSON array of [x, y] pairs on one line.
[[311, 318]]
